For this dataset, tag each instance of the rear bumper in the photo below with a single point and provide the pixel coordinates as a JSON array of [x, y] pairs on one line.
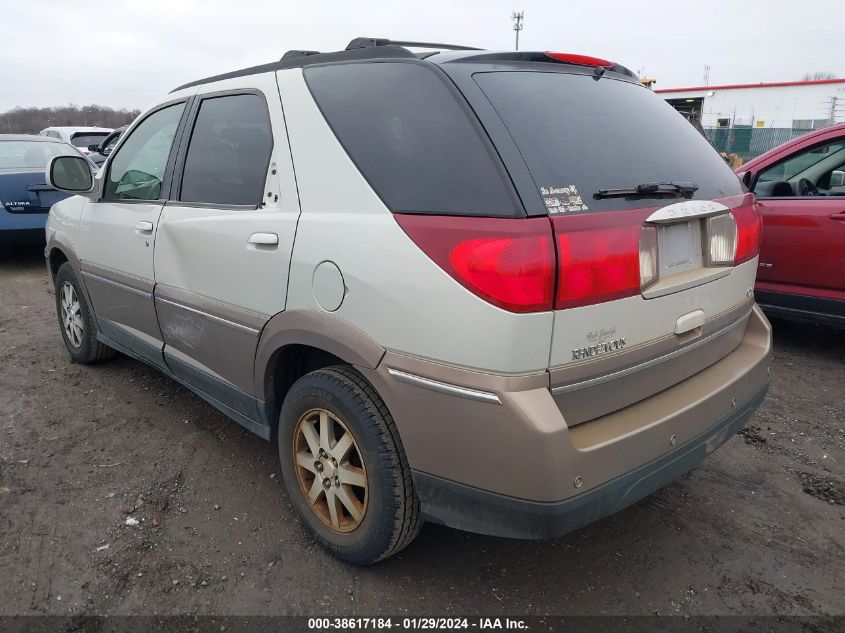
[[514, 467], [22, 236], [22, 228], [475, 510]]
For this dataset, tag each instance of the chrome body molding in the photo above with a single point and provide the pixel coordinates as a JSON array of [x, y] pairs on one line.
[[687, 209], [444, 387], [650, 363]]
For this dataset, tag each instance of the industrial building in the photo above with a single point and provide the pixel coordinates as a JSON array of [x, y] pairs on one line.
[[801, 105]]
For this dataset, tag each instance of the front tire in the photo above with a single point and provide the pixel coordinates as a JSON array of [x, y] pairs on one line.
[[345, 468], [76, 319]]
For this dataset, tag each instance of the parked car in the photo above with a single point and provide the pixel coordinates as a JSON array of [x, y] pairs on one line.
[[25, 198], [800, 187], [80, 137], [100, 151], [506, 292]]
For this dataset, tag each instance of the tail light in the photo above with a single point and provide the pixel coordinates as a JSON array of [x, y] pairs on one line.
[[749, 227], [510, 263], [583, 60], [526, 265], [598, 257]]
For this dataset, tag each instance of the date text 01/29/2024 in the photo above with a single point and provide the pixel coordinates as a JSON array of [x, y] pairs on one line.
[[423, 623]]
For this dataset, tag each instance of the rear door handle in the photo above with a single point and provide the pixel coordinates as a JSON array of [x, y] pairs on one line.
[[838, 216], [144, 226], [264, 239]]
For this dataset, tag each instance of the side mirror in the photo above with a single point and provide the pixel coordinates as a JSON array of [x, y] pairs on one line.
[[747, 179], [70, 173], [837, 178]]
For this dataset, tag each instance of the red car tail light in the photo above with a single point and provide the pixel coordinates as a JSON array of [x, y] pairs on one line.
[[598, 257], [749, 226], [584, 60], [507, 262]]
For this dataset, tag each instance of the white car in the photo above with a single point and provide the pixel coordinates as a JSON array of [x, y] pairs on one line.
[[510, 293], [79, 137]]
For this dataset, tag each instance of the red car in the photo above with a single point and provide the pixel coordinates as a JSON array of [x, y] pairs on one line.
[[800, 186]]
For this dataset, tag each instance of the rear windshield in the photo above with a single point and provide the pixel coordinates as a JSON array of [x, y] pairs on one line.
[[579, 135], [412, 139], [84, 139], [31, 154]]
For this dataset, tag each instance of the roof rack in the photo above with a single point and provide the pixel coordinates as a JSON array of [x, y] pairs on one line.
[[295, 53], [306, 59], [369, 42]]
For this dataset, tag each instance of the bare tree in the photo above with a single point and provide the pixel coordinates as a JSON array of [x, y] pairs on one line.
[[817, 76], [33, 120]]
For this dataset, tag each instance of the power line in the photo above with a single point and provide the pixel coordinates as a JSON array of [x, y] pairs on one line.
[[517, 16]]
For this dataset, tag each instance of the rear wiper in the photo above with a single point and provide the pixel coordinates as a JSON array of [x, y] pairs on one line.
[[648, 189]]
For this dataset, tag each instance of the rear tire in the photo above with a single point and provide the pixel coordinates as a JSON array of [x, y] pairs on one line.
[[365, 476], [76, 320]]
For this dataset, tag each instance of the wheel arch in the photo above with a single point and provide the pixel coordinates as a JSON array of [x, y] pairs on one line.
[[58, 251], [296, 342]]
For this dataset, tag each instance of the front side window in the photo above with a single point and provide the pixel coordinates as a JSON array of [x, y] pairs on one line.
[[813, 171], [137, 170], [112, 142], [229, 152]]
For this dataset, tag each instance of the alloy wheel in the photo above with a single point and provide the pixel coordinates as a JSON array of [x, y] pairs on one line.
[[71, 314], [330, 470]]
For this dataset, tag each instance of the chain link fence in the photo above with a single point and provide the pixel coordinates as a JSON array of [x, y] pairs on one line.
[[748, 142]]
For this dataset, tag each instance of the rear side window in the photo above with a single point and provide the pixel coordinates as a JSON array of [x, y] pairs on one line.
[[579, 135], [417, 145], [84, 139], [229, 152]]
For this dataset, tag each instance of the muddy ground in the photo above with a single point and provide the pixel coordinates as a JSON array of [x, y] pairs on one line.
[[758, 528]]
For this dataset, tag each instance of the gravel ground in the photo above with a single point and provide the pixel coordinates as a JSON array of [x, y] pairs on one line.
[[756, 529]]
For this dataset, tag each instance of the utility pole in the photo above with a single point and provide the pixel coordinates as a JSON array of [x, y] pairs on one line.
[[517, 25], [832, 113]]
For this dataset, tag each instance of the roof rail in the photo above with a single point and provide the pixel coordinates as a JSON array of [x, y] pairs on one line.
[[295, 53], [368, 42]]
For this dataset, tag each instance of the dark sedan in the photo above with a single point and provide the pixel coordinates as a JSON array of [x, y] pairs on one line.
[[25, 198], [100, 151]]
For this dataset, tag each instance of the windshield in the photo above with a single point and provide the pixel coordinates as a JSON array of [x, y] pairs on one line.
[[579, 136], [84, 139], [31, 154]]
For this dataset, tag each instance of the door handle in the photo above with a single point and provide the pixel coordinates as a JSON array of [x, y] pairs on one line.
[[144, 226], [838, 216], [264, 239]]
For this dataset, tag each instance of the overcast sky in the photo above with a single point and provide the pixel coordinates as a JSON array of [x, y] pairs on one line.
[[125, 53]]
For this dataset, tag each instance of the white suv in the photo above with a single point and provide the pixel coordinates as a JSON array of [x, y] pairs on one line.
[[80, 137], [506, 292]]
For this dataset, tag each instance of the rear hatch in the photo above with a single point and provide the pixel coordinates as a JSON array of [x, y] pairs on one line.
[[566, 194], [23, 162], [653, 233], [24, 190]]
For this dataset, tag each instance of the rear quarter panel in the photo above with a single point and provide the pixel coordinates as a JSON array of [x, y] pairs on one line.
[[393, 291]]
